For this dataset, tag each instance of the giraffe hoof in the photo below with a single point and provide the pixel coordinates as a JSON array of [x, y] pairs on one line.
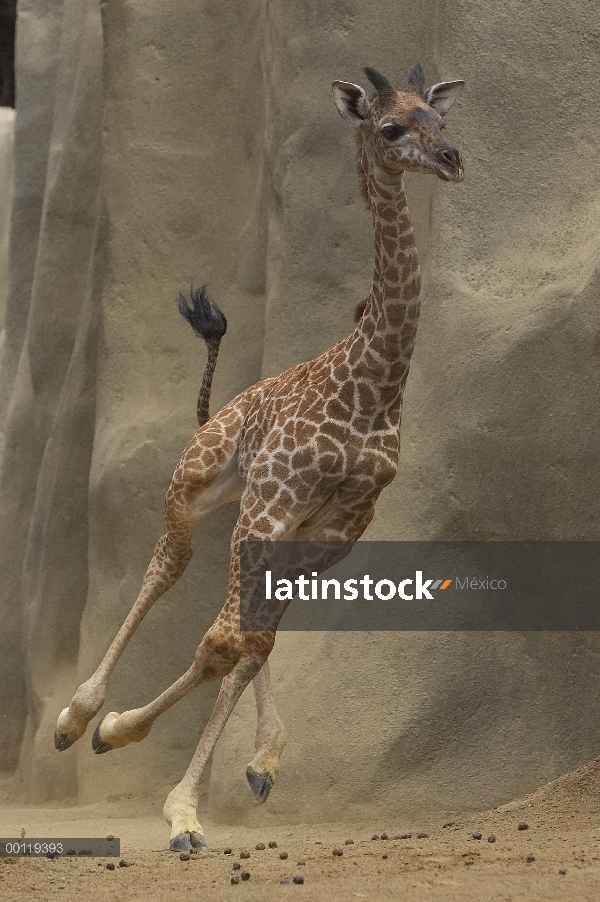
[[62, 741], [185, 842], [260, 784], [198, 841], [98, 745], [66, 732]]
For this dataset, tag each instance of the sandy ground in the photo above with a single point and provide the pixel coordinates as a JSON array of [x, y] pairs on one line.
[[440, 859]]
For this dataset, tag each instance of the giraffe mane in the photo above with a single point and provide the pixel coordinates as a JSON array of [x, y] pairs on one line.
[[362, 175], [360, 309]]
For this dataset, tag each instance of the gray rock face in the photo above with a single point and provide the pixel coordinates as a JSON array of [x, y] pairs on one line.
[[7, 133], [160, 144]]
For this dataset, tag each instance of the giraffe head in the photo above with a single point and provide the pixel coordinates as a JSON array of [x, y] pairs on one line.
[[403, 130]]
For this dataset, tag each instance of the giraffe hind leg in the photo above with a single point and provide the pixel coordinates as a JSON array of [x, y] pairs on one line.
[[262, 771], [168, 562], [218, 653], [205, 478]]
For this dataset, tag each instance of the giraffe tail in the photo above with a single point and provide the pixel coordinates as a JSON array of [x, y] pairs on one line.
[[207, 321]]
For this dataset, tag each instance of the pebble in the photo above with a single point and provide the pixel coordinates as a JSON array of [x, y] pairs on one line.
[[283, 855], [185, 856], [384, 836], [477, 835], [318, 842], [403, 836], [123, 863], [337, 852], [227, 851], [298, 878], [530, 858], [110, 866], [236, 865], [523, 825], [448, 824], [244, 853], [245, 875], [260, 846], [272, 844], [300, 863], [469, 861], [422, 835], [349, 842], [562, 870], [491, 838], [284, 881], [110, 837], [235, 879], [374, 836], [384, 856]]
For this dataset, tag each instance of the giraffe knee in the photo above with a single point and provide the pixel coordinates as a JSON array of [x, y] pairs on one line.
[[217, 655], [259, 646], [171, 556]]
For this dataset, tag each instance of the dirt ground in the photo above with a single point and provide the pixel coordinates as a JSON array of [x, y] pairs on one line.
[[436, 858]]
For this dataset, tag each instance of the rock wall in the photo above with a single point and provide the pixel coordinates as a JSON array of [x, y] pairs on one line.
[[159, 144], [7, 129]]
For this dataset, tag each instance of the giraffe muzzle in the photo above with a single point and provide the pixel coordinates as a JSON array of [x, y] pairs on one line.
[[450, 165]]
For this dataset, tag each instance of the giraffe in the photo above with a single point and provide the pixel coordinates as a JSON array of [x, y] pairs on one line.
[[307, 452]]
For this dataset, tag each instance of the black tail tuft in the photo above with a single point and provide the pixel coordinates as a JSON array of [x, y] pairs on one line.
[[206, 319]]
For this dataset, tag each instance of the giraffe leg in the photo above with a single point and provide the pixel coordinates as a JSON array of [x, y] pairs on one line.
[[206, 477], [324, 525], [262, 771], [181, 805], [218, 653], [168, 563]]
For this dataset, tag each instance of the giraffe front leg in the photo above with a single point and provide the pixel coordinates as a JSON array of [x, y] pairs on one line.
[[262, 771], [182, 802]]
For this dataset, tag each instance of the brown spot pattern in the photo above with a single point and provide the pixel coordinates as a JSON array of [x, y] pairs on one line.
[[312, 448]]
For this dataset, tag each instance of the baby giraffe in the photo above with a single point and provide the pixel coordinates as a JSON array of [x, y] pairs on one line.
[[307, 452]]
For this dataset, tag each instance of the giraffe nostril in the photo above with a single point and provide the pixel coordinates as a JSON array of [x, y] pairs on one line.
[[448, 157]]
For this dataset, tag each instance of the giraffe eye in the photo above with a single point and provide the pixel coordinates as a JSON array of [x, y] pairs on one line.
[[392, 132]]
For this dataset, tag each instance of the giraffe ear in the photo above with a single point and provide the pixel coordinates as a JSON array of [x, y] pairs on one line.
[[442, 96], [351, 102]]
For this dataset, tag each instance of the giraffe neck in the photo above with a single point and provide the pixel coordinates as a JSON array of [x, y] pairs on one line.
[[388, 327]]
